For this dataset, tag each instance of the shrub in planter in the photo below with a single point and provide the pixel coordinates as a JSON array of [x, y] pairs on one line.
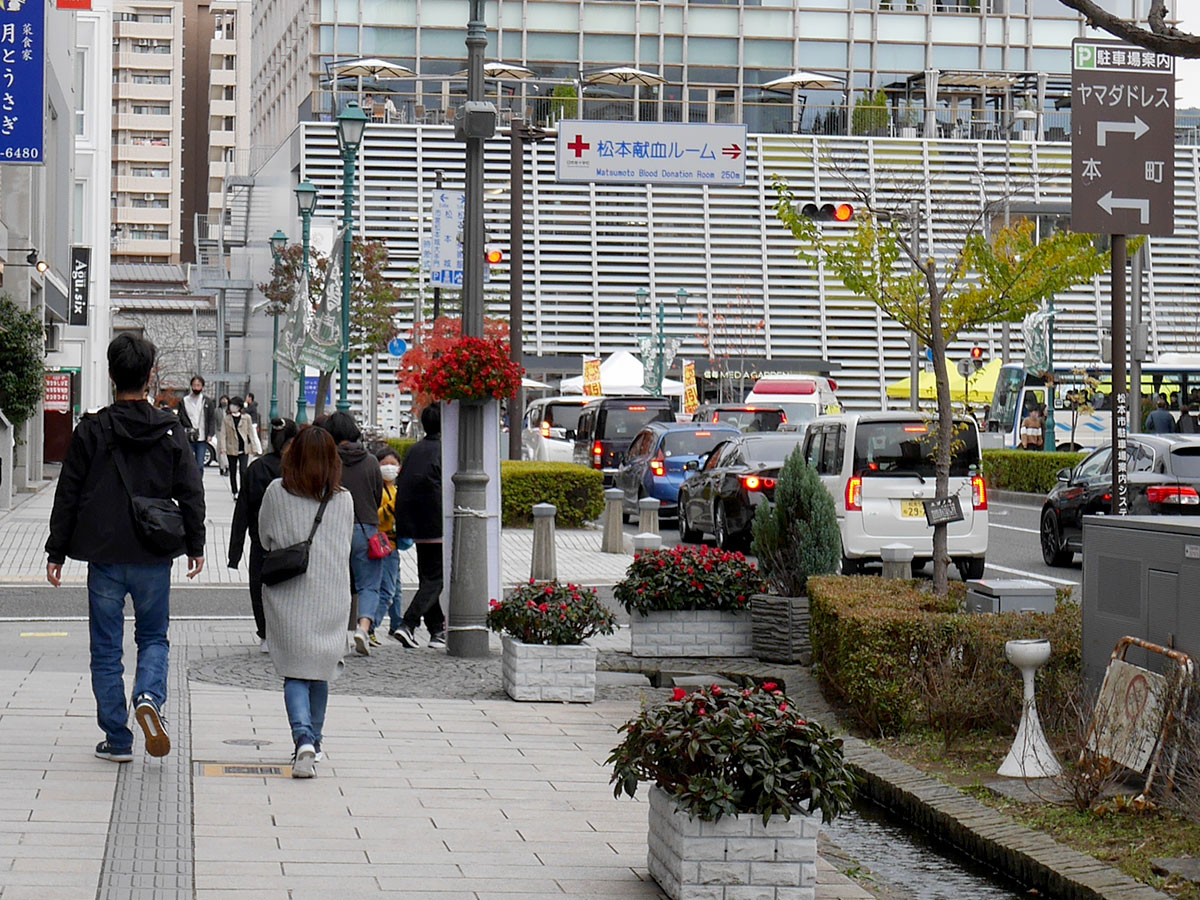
[[795, 538], [688, 578], [1025, 470], [545, 626], [577, 492], [899, 657], [401, 446]]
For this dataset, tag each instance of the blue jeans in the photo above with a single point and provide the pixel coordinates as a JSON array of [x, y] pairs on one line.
[[149, 587], [305, 701], [390, 592], [200, 448], [366, 571]]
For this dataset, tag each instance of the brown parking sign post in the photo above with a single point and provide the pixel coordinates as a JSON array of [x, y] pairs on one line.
[[1122, 182]]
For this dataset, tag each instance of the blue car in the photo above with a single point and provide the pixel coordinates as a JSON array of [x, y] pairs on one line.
[[655, 464]]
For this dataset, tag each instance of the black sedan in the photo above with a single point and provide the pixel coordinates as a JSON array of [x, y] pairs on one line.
[[1164, 479], [729, 484]]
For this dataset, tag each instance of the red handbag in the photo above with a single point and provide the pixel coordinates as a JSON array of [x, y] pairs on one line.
[[378, 546]]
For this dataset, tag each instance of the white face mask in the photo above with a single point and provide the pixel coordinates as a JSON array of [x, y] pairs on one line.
[[389, 472]]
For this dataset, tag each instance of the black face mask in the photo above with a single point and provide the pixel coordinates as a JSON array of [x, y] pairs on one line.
[[197, 391]]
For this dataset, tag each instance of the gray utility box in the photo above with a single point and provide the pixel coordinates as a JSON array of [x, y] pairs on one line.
[[1141, 577], [1003, 595]]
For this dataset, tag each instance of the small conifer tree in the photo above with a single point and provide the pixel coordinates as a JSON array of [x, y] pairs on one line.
[[798, 537]]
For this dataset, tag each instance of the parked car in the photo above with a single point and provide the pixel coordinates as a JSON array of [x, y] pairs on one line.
[[729, 484], [1164, 479], [879, 469], [608, 424], [656, 461], [802, 397], [548, 428], [745, 418]]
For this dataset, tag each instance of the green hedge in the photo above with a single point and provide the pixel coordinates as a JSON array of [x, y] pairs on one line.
[[577, 491], [900, 658], [401, 446], [1025, 470]]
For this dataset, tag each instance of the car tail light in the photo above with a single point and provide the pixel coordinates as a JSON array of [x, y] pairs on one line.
[[782, 418], [658, 465], [758, 483], [545, 429], [854, 494], [637, 409], [598, 456], [1180, 495], [978, 493], [832, 385]]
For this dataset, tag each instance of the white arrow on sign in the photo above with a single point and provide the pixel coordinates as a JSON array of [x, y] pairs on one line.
[[1108, 203], [1137, 128]]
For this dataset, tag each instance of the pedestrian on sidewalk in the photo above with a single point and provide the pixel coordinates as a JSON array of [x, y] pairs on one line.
[[127, 452], [391, 594], [238, 440], [222, 408], [419, 516], [360, 476], [1160, 421], [261, 473], [197, 415], [252, 411], [306, 615]]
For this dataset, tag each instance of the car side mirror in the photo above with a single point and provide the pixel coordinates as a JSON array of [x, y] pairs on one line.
[[1064, 476], [691, 465], [569, 434]]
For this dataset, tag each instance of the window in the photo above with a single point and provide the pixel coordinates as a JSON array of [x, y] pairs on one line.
[[909, 446], [813, 450], [831, 459], [1094, 466], [228, 93], [714, 458]]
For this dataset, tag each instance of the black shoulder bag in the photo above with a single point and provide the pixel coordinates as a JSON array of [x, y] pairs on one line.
[[157, 521], [285, 563]]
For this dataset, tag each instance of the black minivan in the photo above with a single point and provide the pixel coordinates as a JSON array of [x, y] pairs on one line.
[[607, 425]]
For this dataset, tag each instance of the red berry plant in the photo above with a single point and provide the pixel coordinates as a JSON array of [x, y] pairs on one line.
[[688, 578], [723, 751], [551, 613]]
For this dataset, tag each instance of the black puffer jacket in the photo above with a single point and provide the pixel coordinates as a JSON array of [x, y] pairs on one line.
[[258, 478], [92, 518], [361, 477], [419, 491]]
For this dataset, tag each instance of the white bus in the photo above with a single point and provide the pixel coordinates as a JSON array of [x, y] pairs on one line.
[[1177, 375]]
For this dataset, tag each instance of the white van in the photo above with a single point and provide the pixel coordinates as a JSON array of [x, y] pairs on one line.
[[801, 397], [548, 428], [879, 469]]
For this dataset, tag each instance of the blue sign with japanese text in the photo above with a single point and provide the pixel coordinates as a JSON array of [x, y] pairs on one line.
[[22, 81]]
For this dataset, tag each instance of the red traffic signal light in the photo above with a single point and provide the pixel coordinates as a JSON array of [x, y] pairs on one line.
[[493, 254], [828, 212], [976, 353]]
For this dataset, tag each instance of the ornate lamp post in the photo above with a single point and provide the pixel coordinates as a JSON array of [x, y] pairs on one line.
[[278, 242], [663, 354], [351, 123], [306, 202]]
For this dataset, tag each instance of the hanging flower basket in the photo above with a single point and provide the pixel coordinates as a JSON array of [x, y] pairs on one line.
[[470, 369]]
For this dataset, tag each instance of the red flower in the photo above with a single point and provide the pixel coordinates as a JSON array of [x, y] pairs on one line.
[[679, 694], [542, 607], [530, 604], [783, 707], [716, 689], [769, 685]]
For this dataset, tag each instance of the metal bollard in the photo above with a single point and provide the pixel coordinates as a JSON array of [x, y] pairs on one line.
[[646, 541], [614, 535], [897, 560], [648, 515], [544, 565]]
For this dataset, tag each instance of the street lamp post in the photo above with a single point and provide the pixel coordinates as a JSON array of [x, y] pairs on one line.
[[351, 123], [278, 242], [306, 202], [658, 339]]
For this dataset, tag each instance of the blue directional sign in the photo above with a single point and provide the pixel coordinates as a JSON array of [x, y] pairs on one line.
[[446, 262], [397, 346], [310, 390], [22, 81]]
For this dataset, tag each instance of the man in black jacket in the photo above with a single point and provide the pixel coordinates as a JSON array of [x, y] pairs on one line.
[[129, 441], [419, 516]]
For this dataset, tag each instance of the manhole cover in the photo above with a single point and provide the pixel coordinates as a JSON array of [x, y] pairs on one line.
[[247, 742], [244, 770]]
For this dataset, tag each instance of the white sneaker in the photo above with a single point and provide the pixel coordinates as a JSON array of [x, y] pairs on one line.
[[262, 647], [362, 645], [304, 763]]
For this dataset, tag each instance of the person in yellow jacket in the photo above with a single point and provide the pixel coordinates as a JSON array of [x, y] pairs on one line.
[[390, 592]]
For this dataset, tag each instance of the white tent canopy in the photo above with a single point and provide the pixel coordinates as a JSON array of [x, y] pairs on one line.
[[621, 373]]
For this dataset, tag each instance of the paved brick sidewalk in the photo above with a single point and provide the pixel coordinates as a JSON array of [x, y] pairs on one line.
[[419, 797], [23, 533]]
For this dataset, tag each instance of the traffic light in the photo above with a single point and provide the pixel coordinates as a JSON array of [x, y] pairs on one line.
[[977, 358], [828, 212], [493, 254]]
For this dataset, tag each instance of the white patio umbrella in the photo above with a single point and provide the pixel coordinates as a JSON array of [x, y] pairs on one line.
[[800, 80], [373, 67], [623, 75], [497, 69]]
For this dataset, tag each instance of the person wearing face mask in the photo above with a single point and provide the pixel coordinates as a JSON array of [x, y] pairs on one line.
[[239, 439], [390, 593], [222, 409], [197, 416]]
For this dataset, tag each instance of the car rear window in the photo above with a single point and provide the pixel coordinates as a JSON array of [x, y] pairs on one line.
[[772, 450], [1185, 462], [799, 413], [563, 415], [692, 443], [750, 420], [910, 446], [626, 421]]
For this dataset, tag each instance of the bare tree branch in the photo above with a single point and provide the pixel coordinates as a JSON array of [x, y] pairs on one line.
[[1158, 36]]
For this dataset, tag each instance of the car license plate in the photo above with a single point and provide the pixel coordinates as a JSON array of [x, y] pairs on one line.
[[912, 509]]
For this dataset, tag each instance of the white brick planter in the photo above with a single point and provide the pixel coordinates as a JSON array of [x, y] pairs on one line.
[[736, 858], [691, 632], [549, 672]]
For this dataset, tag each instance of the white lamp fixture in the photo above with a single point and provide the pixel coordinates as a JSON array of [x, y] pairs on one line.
[[1030, 755]]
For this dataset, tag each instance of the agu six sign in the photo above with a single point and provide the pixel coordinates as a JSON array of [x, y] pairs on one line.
[[1122, 139]]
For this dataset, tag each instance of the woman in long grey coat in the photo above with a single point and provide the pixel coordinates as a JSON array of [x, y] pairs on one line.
[[306, 615]]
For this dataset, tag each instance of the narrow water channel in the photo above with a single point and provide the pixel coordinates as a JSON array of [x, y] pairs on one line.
[[908, 863]]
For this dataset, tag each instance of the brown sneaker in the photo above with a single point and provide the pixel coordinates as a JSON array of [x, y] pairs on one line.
[[154, 726]]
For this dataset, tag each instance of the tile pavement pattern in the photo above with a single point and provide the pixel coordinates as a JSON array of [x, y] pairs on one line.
[[692, 632]]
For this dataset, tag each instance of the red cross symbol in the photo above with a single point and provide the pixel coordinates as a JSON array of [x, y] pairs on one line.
[[578, 146]]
